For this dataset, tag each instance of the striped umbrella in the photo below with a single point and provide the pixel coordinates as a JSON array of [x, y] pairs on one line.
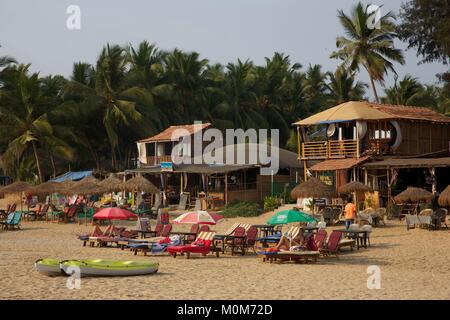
[[198, 217]]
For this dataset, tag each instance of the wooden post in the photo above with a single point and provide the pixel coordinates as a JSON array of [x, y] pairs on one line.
[[226, 189], [389, 185], [357, 141]]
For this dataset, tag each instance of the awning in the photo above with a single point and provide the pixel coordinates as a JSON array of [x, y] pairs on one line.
[[409, 163], [72, 176], [338, 164]]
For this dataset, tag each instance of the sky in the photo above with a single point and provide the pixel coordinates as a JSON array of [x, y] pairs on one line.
[[220, 30]]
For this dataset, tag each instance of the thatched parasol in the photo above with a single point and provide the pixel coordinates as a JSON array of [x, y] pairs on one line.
[[16, 187], [413, 195], [444, 198], [112, 184], [312, 188], [48, 187], [87, 186], [354, 186], [139, 183]]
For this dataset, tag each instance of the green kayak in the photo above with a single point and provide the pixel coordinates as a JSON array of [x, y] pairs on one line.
[[102, 267], [49, 267]]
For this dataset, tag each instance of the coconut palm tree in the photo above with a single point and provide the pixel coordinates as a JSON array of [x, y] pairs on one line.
[[106, 96], [369, 47], [24, 119], [405, 92], [343, 87]]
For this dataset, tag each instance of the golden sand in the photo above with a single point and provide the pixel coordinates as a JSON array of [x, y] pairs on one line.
[[414, 264]]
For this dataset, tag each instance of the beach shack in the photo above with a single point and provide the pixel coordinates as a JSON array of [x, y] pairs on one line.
[[371, 142], [215, 184]]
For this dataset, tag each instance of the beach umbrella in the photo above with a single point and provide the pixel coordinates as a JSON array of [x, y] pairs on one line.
[[112, 184], [444, 198], [290, 216], [413, 194], [198, 217], [354, 187], [140, 184], [312, 188], [114, 214], [17, 187], [87, 186]]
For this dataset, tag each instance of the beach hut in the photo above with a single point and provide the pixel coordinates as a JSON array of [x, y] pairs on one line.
[[17, 188], [313, 188]]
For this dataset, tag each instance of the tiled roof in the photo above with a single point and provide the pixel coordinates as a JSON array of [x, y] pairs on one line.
[[413, 113], [171, 132], [338, 164]]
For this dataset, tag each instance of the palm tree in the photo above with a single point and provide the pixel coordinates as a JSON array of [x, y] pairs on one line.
[[314, 88], [406, 92], [369, 47], [343, 87], [24, 119], [106, 96]]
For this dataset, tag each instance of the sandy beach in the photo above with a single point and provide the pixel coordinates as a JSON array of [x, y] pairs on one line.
[[414, 265]]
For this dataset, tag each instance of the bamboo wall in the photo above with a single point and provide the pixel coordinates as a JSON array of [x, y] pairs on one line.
[[421, 138]]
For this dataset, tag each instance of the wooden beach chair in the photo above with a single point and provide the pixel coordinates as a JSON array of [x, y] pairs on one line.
[[236, 241]]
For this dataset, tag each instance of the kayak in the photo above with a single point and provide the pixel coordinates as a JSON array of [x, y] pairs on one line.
[[49, 267], [102, 267]]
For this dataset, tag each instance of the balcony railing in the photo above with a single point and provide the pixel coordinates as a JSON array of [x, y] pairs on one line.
[[154, 160], [334, 149]]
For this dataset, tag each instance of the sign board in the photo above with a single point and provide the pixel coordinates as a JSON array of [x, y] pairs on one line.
[[327, 177], [166, 166]]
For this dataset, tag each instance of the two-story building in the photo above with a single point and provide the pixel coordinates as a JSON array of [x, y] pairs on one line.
[[371, 142]]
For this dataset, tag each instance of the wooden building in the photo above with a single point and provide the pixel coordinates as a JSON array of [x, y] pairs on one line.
[[350, 138]]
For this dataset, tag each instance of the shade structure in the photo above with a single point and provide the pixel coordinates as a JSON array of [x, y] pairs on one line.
[[87, 186], [47, 188], [112, 183], [114, 214], [290, 216], [413, 194], [16, 187], [347, 111], [140, 183], [198, 217], [354, 186], [312, 188], [444, 198]]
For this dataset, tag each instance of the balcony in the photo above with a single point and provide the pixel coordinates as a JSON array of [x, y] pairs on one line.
[[155, 160], [334, 149]]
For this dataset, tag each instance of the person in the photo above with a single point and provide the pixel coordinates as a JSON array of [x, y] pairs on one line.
[[350, 213], [286, 242]]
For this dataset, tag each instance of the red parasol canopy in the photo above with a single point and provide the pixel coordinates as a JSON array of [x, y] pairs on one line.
[[198, 217], [114, 214]]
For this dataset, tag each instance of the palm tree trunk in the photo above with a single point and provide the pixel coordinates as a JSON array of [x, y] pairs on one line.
[[52, 161], [93, 154], [374, 89], [38, 164], [113, 157]]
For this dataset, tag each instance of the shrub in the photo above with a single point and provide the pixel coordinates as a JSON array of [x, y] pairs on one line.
[[241, 209], [270, 203]]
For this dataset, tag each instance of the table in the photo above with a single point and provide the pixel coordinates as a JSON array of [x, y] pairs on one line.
[[223, 238], [359, 235], [310, 229], [264, 230], [269, 239]]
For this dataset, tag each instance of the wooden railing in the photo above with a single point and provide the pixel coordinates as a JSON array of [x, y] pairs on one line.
[[329, 149], [153, 160]]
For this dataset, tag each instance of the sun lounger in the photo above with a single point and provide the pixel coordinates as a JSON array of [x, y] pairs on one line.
[[295, 256], [202, 245], [155, 247], [13, 221]]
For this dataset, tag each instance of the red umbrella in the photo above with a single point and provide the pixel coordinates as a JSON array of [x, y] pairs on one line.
[[198, 217], [114, 213]]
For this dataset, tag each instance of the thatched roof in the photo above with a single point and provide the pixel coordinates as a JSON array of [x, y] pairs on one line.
[[313, 188], [87, 186], [139, 183], [354, 186], [16, 187], [47, 188], [444, 198], [112, 183], [412, 194]]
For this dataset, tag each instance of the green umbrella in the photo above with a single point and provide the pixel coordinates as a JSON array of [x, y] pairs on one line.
[[290, 216]]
